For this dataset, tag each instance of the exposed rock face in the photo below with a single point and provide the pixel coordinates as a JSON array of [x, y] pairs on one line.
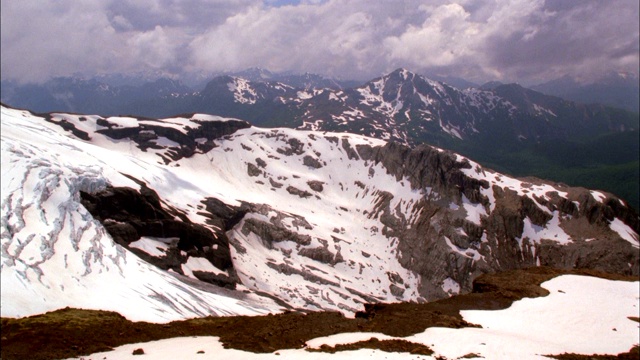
[[128, 215], [497, 241], [146, 135], [425, 166], [270, 233]]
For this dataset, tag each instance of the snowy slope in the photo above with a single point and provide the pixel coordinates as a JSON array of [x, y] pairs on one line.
[[317, 220], [54, 254], [358, 256]]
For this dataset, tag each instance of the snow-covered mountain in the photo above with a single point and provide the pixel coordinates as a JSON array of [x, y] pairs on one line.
[[54, 252], [410, 109], [515, 129], [306, 81], [400, 106], [198, 214]]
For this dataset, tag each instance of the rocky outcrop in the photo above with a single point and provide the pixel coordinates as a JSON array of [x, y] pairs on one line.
[[316, 185], [270, 233], [441, 243], [321, 254], [295, 191], [198, 139], [129, 214], [311, 162], [426, 167]]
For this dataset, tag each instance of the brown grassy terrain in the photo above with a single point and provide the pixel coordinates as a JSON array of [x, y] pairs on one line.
[[74, 332], [392, 345], [633, 354]]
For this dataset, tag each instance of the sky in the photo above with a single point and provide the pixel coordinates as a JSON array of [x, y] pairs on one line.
[[525, 41]]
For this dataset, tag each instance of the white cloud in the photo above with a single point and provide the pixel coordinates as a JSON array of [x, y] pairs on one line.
[[155, 49], [445, 36]]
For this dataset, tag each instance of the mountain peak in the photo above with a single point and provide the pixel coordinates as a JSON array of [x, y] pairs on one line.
[[402, 73], [491, 85]]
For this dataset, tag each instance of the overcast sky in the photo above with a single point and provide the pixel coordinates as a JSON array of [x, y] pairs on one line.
[[526, 41]]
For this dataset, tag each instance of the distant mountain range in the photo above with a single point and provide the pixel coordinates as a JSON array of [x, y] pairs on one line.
[[615, 89], [89, 95], [114, 93], [506, 126]]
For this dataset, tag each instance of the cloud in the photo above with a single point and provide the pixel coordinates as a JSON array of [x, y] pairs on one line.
[[525, 41], [583, 39], [444, 38], [41, 39], [59, 38], [155, 49], [334, 38], [189, 15], [518, 40]]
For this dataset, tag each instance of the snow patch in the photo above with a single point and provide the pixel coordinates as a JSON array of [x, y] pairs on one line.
[[153, 246], [450, 286], [551, 231], [200, 264], [625, 232], [600, 197], [474, 211]]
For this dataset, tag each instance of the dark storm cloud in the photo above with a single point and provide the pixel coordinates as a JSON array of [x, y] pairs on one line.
[[518, 40], [580, 38], [145, 15]]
